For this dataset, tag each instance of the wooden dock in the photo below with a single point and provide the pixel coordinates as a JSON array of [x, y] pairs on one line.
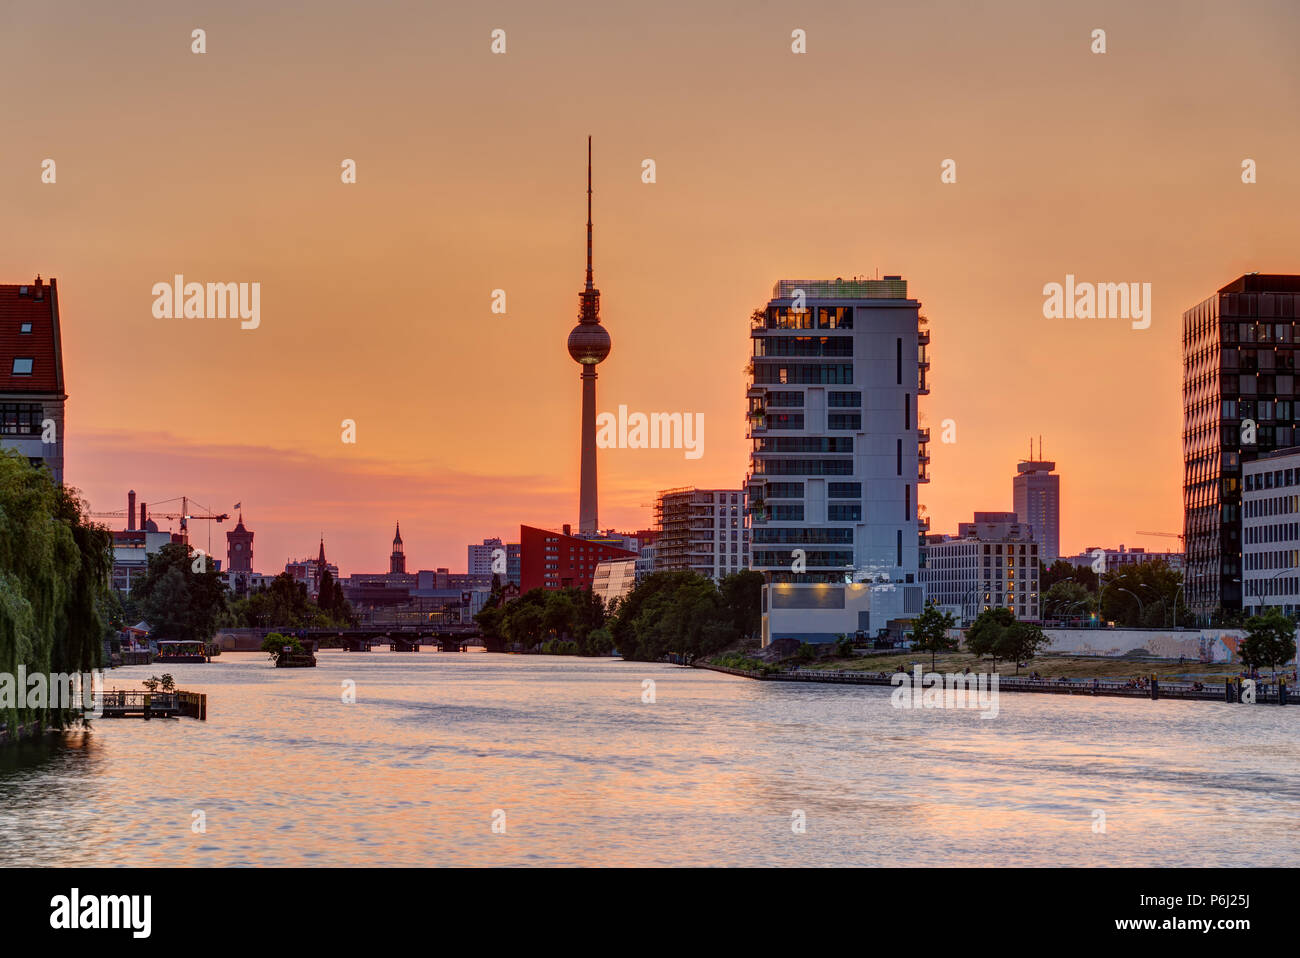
[[151, 705]]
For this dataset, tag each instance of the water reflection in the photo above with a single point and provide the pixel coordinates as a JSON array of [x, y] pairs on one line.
[[285, 773]]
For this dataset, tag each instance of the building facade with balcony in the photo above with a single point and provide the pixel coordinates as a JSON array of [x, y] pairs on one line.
[[702, 530], [838, 457]]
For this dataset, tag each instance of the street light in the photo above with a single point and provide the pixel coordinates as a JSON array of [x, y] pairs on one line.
[[1141, 610]]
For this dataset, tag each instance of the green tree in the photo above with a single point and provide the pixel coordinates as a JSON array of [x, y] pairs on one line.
[[984, 637], [1067, 599], [285, 604], [742, 594], [178, 601], [325, 597], [1270, 640], [523, 621], [598, 642], [54, 572], [275, 643], [1059, 571], [930, 632], [1020, 642], [678, 614]]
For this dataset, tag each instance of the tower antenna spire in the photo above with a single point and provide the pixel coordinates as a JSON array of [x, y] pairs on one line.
[[589, 282]]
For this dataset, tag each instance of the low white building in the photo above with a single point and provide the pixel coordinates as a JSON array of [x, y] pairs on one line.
[[816, 612]]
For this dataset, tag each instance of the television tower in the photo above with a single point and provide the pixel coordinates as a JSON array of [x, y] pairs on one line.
[[589, 344]]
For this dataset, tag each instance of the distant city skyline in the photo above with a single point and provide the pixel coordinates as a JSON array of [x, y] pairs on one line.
[[376, 297]]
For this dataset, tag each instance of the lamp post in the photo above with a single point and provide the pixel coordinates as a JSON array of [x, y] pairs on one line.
[[1141, 610], [1261, 593], [973, 588]]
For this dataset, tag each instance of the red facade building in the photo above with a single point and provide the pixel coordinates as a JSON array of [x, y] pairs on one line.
[[555, 560]]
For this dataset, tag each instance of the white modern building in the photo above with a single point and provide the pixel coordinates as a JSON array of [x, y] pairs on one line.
[[838, 457], [480, 559], [702, 530], [1270, 532], [991, 563]]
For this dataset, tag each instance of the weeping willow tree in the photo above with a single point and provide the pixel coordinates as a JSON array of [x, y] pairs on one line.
[[54, 574]]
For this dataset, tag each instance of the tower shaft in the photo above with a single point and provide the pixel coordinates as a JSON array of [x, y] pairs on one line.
[[587, 519]]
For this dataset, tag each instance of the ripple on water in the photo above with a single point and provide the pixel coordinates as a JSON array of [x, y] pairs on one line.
[[415, 772]]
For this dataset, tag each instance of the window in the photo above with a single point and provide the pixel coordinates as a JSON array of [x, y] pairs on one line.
[[22, 366], [25, 328]]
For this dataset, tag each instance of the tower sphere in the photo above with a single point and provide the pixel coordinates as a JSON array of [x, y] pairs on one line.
[[589, 343]]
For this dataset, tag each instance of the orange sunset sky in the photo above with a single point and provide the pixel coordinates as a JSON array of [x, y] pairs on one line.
[[225, 167]]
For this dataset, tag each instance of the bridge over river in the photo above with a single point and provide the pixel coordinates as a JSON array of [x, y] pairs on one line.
[[398, 638]]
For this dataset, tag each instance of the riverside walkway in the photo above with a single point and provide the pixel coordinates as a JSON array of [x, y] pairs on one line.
[[1228, 692]]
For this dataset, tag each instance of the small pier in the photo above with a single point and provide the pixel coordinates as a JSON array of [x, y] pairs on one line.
[[151, 705]]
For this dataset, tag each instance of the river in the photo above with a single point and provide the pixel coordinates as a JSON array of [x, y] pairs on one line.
[[572, 767]]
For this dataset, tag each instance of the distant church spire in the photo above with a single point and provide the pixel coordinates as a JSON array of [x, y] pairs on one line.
[[397, 561]]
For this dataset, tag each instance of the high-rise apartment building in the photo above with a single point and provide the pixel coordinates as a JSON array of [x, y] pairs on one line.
[[702, 530], [838, 457], [1239, 395], [481, 559], [1036, 492]]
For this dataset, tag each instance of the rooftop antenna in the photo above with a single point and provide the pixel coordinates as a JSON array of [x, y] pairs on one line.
[[589, 283]]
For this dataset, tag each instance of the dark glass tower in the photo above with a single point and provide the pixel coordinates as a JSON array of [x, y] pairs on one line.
[[1239, 396]]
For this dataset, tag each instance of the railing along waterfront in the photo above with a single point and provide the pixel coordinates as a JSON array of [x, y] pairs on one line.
[[1264, 693]]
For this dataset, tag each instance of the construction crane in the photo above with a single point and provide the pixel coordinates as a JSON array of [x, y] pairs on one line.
[[184, 516], [1167, 535]]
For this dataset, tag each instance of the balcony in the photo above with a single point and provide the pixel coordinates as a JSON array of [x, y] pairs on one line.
[[922, 388], [923, 337], [923, 435], [922, 474]]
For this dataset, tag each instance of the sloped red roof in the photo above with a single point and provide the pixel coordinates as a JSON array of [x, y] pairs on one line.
[[41, 345]]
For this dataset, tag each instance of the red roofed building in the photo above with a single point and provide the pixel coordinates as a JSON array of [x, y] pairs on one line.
[[556, 560], [31, 374]]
